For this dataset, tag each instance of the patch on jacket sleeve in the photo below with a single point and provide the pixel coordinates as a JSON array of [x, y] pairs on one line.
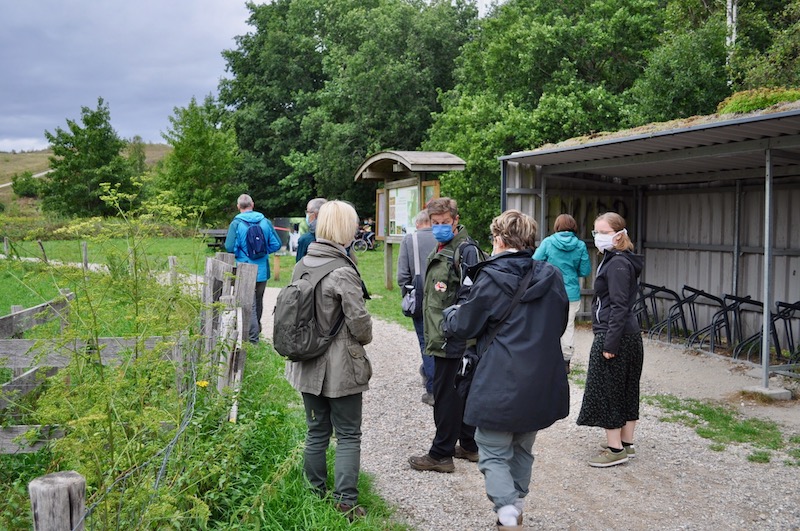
[[440, 286]]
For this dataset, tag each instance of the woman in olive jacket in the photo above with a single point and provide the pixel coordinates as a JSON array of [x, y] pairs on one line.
[[520, 384], [332, 384]]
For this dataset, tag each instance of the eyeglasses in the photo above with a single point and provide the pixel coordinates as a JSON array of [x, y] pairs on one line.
[[596, 232]]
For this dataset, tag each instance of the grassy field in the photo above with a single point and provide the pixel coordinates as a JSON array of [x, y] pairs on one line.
[[14, 163], [191, 254], [38, 161]]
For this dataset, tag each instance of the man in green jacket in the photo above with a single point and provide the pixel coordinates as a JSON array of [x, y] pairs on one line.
[[444, 277]]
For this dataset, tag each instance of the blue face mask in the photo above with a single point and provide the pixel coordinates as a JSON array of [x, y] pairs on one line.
[[443, 233], [308, 221]]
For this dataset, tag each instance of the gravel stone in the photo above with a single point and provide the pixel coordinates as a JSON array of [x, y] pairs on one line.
[[676, 481]]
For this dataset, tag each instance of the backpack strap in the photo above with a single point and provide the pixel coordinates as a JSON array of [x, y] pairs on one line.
[[416, 253], [523, 285], [456, 259]]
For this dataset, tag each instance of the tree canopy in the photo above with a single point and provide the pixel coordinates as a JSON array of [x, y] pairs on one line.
[[84, 157], [320, 85], [200, 173]]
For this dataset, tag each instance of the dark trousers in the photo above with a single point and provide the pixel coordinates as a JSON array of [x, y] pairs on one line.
[[427, 361], [258, 310], [324, 417], [448, 411]]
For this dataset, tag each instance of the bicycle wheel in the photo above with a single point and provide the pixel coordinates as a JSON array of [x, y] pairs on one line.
[[360, 246]]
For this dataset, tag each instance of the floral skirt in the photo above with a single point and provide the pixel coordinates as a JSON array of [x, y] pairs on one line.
[[611, 397]]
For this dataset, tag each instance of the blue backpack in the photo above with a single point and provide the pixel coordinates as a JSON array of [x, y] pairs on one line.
[[256, 241]]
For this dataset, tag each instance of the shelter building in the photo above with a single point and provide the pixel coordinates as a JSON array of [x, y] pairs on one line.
[[712, 202]]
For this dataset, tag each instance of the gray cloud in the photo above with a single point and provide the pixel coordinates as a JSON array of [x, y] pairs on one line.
[[143, 58]]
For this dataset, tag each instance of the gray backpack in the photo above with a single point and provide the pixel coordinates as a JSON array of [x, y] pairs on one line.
[[296, 334]]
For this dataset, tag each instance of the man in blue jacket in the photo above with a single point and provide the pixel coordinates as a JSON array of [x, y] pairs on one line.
[[236, 243]]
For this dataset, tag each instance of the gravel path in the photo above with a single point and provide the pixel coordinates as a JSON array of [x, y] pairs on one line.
[[675, 482]]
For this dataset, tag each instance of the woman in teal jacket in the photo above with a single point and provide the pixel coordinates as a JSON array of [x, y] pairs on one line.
[[568, 253]]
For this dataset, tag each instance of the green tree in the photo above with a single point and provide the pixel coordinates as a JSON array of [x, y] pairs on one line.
[[84, 157], [779, 64], [538, 72], [276, 73], [684, 77], [320, 85], [200, 173]]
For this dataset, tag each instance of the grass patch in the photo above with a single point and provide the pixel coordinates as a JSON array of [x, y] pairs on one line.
[[220, 475], [721, 425]]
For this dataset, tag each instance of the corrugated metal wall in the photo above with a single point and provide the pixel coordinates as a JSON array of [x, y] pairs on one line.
[[689, 237]]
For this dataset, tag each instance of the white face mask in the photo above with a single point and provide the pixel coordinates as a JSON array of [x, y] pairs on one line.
[[605, 242]]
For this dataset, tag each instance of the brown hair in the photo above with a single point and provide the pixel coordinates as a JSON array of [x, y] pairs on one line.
[[622, 242], [516, 229], [442, 205], [565, 222]]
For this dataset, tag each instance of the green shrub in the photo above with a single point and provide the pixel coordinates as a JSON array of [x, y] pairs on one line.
[[753, 100], [25, 185]]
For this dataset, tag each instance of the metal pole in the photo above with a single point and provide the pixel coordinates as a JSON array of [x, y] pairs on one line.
[[767, 297], [542, 203], [737, 244], [503, 185]]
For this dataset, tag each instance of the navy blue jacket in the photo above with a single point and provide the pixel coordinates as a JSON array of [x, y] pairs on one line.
[[520, 384]]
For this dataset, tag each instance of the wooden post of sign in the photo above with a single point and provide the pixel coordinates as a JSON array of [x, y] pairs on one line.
[[58, 501], [173, 270], [85, 255], [44, 255]]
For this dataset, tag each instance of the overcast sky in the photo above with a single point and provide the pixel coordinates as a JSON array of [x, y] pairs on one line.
[[143, 58]]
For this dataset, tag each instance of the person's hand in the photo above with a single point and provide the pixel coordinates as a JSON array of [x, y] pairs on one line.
[[608, 355]]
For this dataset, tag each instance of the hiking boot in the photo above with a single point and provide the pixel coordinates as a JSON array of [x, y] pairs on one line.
[[426, 462], [608, 458], [351, 511], [630, 450], [422, 373], [461, 453], [427, 398], [566, 363]]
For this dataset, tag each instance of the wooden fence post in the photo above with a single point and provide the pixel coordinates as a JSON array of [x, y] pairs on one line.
[[17, 371], [5, 246], [85, 255], [58, 501], [173, 270], [276, 267]]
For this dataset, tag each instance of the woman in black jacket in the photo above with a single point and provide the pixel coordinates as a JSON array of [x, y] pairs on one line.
[[520, 384], [611, 399]]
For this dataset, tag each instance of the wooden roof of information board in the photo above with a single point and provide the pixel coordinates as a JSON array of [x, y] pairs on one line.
[[398, 164]]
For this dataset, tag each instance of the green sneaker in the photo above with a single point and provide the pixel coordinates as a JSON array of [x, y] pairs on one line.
[[608, 458], [630, 450]]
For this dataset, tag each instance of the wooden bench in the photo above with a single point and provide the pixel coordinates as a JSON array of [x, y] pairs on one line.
[[218, 236]]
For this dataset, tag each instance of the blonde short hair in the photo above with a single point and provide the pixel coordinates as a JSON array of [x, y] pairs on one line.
[[337, 221], [517, 230]]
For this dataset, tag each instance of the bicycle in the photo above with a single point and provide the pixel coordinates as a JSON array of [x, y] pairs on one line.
[[365, 241]]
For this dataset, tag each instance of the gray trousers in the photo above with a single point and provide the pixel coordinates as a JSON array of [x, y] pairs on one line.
[[506, 461], [323, 416]]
